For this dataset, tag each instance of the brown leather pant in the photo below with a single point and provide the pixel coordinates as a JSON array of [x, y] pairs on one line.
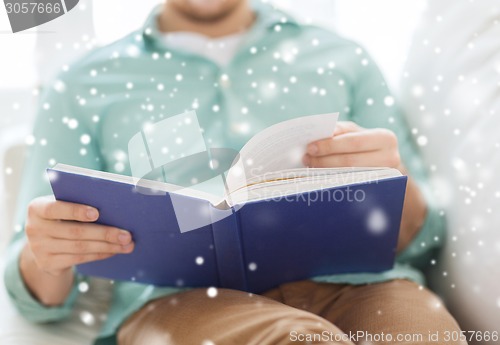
[[305, 312]]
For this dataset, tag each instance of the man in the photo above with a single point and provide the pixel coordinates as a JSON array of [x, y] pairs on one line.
[[243, 67]]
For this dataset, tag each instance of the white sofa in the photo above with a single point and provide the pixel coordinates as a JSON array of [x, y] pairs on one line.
[[452, 95]]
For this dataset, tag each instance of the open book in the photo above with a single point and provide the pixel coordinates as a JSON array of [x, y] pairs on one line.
[[276, 221]]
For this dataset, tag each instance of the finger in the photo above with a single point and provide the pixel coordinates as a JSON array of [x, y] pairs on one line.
[[62, 210], [70, 230], [378, 158], [56, 246], [346, 127], [353, 142], [63, 261]]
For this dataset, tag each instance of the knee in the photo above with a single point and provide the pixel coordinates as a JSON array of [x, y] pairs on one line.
[[404, 296], [299, 327], [412, 309]]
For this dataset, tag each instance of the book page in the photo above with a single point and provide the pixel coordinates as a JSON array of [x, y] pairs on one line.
[[310, 180], [279, 147]]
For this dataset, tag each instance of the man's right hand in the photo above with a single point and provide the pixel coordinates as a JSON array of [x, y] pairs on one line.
[[60, 235]]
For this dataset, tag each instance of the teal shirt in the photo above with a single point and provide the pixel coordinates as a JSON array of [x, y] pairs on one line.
[[282, 70]]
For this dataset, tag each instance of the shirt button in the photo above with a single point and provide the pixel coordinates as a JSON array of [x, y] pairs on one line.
[[224, 81]]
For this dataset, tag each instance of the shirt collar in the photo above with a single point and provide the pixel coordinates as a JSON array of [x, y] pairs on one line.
[[268, 17]]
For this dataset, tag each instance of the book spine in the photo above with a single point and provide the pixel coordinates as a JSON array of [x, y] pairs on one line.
[[228, 249]]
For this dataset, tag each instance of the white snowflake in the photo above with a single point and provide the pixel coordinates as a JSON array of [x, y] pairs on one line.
[[83, 287], [72, 123], [389, 101], [119, 167], [422, 140], [85, 139], [377, 221], [59, 86], [87, 318], [212, 292]]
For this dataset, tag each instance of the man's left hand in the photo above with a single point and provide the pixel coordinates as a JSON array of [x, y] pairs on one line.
[[354, 146]]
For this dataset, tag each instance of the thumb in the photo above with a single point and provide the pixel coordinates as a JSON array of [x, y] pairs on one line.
[[346, 127]]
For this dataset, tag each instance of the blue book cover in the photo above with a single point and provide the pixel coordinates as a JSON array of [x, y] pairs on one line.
[[252, 246]]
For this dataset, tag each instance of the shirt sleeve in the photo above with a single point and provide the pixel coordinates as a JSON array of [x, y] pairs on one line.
[[373, 106], [61, 135]]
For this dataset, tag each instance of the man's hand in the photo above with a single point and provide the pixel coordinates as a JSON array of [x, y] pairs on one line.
[[354, 146], [61, 235]]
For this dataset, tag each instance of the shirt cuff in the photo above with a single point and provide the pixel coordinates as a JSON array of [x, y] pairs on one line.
[[27, 305]]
